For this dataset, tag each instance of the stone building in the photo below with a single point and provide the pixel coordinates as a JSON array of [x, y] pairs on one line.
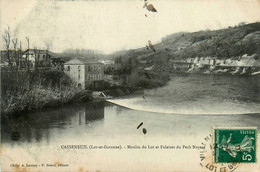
[[36, 58], [86, 73]]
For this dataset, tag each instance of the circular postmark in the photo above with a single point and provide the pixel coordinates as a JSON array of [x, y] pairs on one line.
[[207, 157]]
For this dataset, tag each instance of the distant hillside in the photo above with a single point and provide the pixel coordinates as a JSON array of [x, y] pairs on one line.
[[221, 44], [69, 56]]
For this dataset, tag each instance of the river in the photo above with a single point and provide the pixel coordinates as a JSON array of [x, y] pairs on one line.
[[181, 113]]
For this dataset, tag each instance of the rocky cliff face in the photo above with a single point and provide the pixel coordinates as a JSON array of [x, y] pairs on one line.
[[244, 65]]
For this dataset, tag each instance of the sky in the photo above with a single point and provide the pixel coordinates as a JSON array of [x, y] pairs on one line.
[[114, 25]]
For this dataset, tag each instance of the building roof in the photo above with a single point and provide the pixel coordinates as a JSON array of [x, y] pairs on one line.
[[82, 61], [58, 59], [38, 51]]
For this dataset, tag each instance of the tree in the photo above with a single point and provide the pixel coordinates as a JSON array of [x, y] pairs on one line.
[[7, 40], [27, 55], [20, 55], [14, 41]]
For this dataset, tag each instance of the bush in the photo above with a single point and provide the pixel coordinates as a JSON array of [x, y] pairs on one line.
[[145, 79], [150, 83], [35, 90]]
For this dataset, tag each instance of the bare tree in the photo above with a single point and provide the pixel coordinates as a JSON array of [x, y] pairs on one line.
[[7, 40], [20, 55], [27, 55], [14, 41], [16, 75]]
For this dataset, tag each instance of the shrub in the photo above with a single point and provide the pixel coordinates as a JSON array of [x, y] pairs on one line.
[[34, 90]]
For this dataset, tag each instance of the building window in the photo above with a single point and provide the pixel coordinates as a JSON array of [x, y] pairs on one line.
[[43, 56], [68, 68], [89, 68], [78, 67]]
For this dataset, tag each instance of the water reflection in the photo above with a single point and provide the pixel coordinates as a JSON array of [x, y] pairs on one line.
[[38, 125], [94, 111]]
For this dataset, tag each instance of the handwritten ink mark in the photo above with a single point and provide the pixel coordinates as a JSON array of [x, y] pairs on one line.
[[149, 7], [144, 131], [140, 125]]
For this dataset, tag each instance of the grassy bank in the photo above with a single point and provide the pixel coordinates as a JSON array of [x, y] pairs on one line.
[[39, 98], [24, 91]]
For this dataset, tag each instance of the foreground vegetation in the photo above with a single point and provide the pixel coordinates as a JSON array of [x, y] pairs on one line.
[[24, 91]]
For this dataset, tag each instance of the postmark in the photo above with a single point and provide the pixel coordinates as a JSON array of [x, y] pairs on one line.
[[235, 145]]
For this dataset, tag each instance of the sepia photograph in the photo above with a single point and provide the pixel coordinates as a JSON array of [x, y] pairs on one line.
[[130, 85]]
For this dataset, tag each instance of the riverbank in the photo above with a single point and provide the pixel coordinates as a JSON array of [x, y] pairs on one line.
[[39, 98], [34, 90]]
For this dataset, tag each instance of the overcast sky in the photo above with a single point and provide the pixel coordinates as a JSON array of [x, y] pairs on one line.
[[114, 25]]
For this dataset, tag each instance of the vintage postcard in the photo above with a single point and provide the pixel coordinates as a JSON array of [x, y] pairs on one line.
[[130, 85]]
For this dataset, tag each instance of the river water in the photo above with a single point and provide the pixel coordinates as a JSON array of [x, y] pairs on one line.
[[183, 113]]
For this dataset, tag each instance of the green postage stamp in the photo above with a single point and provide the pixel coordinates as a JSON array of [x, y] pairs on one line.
[[235, 145]]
